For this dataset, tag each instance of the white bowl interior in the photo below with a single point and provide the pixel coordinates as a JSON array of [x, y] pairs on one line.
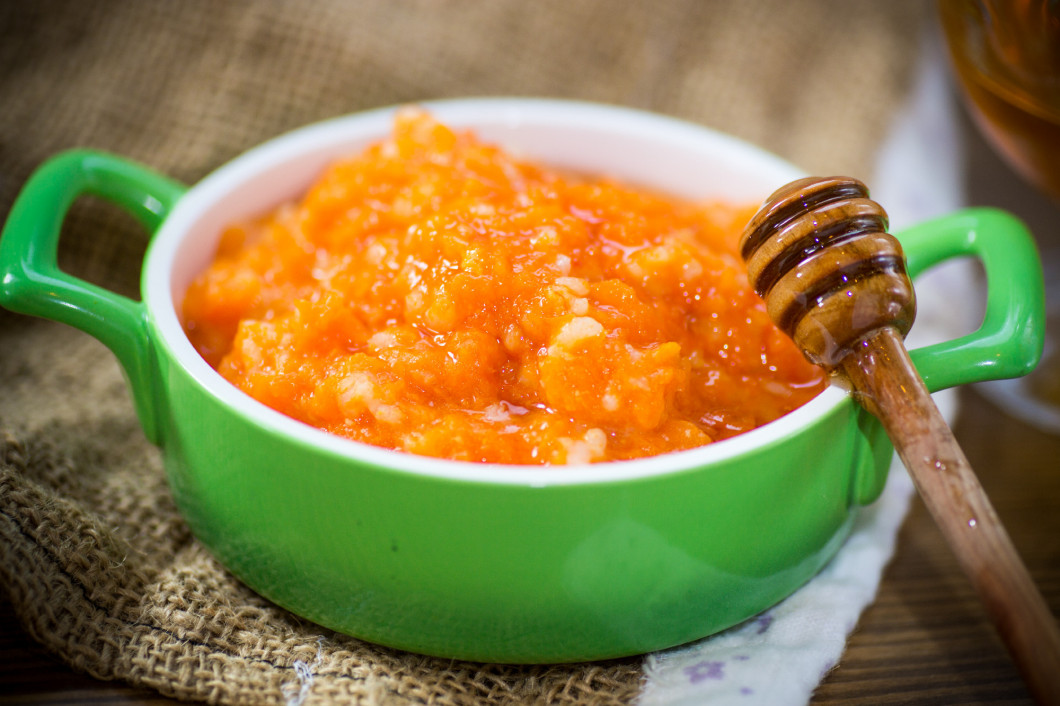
[[658, 152]]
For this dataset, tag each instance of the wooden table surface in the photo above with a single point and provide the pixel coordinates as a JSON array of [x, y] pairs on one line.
[[924, 640]]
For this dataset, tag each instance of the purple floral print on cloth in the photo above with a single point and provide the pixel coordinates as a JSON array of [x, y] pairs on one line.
[[705, 670]]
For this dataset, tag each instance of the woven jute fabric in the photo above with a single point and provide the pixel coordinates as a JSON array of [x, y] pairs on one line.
[[94, 557]]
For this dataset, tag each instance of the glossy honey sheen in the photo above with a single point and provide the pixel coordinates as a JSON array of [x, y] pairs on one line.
[[437, 295]]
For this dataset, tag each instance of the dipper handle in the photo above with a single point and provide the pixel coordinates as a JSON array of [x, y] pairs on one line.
[[834, 280]]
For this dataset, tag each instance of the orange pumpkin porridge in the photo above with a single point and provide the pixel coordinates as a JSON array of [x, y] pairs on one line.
[[440, 296]]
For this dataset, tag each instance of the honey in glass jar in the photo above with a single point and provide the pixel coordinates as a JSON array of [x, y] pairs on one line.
[[1006, 55]]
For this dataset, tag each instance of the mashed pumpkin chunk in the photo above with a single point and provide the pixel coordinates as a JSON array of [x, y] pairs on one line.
[[437, 295]]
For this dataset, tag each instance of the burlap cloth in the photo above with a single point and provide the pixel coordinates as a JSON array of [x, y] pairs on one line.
[[94, 558]]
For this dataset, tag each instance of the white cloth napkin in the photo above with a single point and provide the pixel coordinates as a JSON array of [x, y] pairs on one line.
[[779, 657]]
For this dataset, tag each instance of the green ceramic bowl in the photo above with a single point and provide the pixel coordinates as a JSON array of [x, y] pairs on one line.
[[494, 563]]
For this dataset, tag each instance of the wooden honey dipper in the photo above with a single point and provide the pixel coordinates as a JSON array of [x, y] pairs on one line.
[[834, 280]]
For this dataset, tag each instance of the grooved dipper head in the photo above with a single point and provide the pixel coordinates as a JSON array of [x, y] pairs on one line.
[[818, 252]]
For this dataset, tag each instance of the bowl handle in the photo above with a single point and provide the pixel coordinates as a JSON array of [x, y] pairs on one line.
[[1009, 342], [32, 283]]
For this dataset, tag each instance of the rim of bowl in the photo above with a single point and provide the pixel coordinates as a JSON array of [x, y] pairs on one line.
[[331, 139]]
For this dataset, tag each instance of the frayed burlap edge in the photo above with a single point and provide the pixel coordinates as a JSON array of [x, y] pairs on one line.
[[191, 631]]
